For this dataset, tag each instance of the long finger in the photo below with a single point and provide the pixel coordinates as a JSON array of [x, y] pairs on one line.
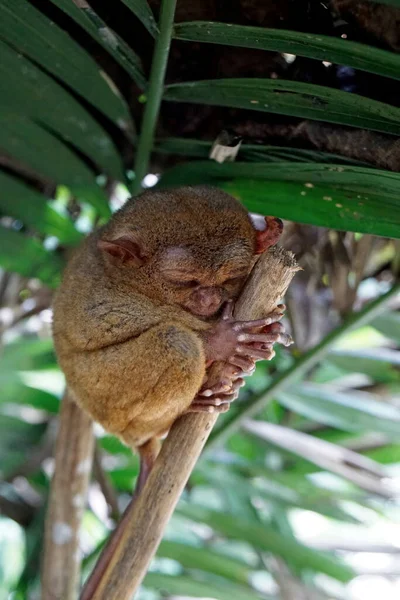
[[217, 400], [260, 354], [216, 393], [221, 387], [230, 372], [242, 325], [264, 338], [246, 364], [237, 384], [285, 339]]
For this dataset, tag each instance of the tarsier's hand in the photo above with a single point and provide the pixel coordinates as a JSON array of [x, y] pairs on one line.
[[254, 339], [239, 344]]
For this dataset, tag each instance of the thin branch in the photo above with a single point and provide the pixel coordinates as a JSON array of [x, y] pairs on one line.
[[290, 586], [301, 366], [154, 92], [105, 484], [73, 461]]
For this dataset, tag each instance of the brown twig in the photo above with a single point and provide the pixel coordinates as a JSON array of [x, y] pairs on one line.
[[73, 462], [290, 586], [105, 484], [143, 524]]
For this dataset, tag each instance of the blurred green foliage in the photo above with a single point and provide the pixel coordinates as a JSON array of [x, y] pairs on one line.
[[263, 510]]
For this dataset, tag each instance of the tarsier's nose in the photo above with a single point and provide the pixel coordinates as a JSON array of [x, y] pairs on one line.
[[209, 298]]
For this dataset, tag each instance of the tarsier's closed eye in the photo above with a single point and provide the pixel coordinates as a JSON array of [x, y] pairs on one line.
[[191, 283], [234, 280]]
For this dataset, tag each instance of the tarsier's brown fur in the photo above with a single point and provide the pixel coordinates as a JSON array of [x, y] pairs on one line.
[[138, 301]]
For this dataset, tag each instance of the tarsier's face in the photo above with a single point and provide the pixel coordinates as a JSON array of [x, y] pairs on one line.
[[202, 284], [193, 247], [200, 273]]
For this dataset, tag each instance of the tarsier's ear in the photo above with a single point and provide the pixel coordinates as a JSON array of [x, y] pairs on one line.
[[124, 250], [269, 236]]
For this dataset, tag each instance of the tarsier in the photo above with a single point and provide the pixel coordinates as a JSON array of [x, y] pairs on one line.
[[145, 307]]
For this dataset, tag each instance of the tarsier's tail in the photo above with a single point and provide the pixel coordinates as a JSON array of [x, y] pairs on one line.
[[148, 453]]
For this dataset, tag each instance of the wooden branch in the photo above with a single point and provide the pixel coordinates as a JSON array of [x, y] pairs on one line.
[[265, 287], [144, 522], [73, 462]]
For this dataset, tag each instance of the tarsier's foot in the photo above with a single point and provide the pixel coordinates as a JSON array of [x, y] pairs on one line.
[[238, 366], [216, 399]]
